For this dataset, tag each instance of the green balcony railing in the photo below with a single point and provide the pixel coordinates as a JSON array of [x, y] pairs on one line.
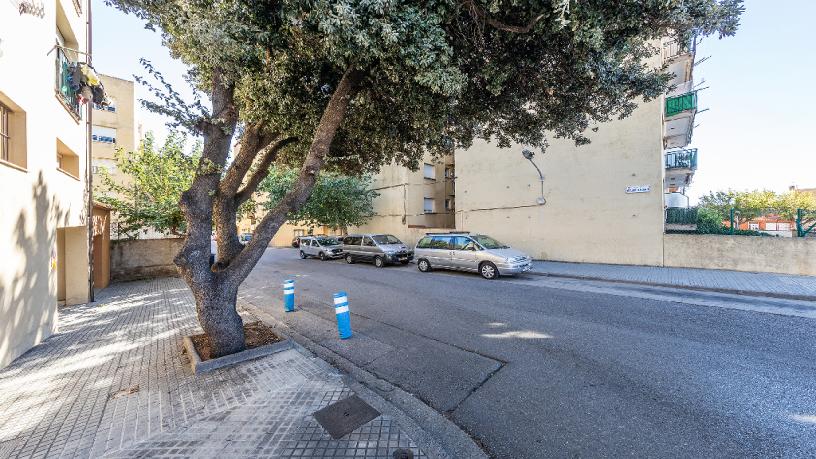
[[682, 159], [679, 104], [63, 83], [681, 216]]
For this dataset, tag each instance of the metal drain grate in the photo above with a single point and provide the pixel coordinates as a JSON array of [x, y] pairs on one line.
[[345, 416]]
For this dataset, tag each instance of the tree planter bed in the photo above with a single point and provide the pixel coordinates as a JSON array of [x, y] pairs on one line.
[[260, 341]]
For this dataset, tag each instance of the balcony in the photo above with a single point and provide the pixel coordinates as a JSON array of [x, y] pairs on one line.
[[66, 94], [679, 119], [673, 49], [676, 105], [680, 167], [682, 159]]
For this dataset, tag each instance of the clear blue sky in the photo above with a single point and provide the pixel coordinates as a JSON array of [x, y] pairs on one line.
[[760, 98]]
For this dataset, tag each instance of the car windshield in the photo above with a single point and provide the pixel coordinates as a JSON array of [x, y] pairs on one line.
[[489, 243], [386, 239], [327, 241]]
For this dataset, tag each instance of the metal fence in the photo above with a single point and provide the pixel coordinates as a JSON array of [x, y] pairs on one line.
[[681, 216], [774, 222], [806, 222]]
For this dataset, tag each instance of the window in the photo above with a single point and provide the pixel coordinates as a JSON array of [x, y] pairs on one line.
[[449, 172], [424, 243], [459, 242], [12, 135], [441, 242], [783, 226], [107, 165], [352, 240], [448, 204], [428, 171], [103, 134], [298, 232], [5, 154], [428, 205], [367, 242], [67, 160], [386, 239], [770, 226], [753, 226], [106, 108]]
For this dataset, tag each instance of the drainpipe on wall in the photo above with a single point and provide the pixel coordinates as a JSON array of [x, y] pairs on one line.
[[88, 168]]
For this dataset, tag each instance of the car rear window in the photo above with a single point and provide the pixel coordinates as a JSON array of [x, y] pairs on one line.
[[424, 243]]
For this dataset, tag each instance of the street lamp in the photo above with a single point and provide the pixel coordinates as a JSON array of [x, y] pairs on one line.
[[528, 155]]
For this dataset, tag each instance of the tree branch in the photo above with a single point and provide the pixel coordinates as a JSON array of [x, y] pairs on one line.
[[330, 121], [479, 13], [253, 141], [262, 169]]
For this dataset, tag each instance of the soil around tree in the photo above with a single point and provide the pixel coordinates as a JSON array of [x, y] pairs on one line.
[[256, 334]]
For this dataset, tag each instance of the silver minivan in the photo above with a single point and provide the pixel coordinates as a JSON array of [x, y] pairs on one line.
[[323, 247], [381, 249], [470, 252]]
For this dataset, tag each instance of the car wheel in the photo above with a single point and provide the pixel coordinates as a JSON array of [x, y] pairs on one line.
[[423, 265], [302, 254], [323, 256], [349, 260], [488, 270], [378, 262]]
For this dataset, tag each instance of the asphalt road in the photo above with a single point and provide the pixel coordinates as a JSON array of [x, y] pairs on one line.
[[538, 367]]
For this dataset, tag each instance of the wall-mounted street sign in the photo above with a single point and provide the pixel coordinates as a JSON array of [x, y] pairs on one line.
[[638, 189]]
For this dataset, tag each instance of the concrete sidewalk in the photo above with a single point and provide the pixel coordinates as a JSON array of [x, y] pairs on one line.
[[745, 283], [113, 382]]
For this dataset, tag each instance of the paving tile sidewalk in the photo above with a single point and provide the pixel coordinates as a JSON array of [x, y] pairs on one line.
[[113, 383], [767, 284]]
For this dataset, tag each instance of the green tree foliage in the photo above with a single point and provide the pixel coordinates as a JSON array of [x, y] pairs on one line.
[[337, 201], [354, 84], [154, 179], [751, 204]]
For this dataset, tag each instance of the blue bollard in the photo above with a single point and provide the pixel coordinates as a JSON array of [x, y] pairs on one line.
[[341, 310], [289, 295]]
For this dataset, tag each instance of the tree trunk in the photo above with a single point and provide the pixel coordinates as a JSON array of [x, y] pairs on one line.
[[218, 317]]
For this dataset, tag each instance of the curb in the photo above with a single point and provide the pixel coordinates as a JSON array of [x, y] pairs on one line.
[[782, 296], [198, 366], [435, 434]]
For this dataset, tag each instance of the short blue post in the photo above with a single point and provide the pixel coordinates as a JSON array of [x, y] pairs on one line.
[[341, 310], [288, 295]]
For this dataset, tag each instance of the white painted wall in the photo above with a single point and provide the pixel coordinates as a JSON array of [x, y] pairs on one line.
[[38, 199]]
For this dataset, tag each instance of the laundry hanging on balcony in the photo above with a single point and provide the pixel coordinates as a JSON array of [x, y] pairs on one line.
[[84, 81]]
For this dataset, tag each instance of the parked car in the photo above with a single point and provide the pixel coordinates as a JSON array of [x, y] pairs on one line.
[[244, 238], [323, 247], [380, 249], [470, 252]]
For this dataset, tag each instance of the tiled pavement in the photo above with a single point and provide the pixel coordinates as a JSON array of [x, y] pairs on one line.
[[113, 382], [710, 279]]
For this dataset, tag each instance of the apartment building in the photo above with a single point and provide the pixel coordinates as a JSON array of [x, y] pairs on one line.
[[45, 213], [603, 202], [114, 128], [425, 198]]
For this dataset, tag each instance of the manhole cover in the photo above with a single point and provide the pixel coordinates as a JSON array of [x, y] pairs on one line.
[[345, 416]]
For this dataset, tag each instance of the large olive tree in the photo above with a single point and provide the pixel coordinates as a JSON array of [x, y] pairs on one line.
[[355, 84]]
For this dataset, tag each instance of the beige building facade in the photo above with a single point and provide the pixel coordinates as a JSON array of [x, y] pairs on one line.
[[603, 202], [44, 218], [409, 200]]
